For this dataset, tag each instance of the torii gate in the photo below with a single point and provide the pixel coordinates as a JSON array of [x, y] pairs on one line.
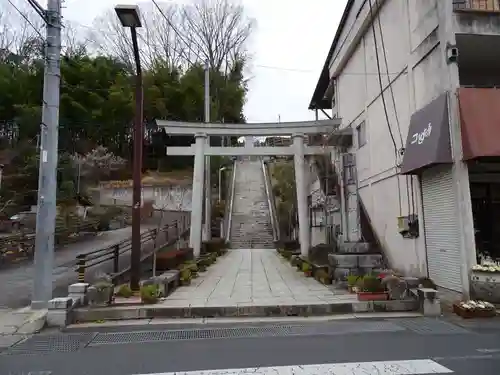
[[296, 130]]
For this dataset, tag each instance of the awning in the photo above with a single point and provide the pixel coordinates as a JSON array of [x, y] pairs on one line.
[[428, 141]]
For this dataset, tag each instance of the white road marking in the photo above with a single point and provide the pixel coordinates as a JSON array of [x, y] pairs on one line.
[[411, 367]]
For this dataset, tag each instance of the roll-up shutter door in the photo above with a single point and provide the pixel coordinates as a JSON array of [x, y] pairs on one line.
[[442, 228]]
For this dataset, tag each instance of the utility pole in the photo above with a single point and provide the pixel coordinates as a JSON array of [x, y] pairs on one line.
[[208, 184], [47, 182]]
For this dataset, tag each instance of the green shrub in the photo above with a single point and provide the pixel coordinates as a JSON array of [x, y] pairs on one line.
[[124, 291], [149, 293], [371, 284], [352, 280]]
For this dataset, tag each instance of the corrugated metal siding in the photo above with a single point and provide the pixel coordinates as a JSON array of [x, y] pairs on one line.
[[442, 228]]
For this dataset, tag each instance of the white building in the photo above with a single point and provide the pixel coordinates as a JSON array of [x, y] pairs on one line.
[[415, 79]]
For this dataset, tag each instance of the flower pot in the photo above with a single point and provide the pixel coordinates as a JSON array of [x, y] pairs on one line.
[[372, 296], [186, 282], [307, 273], [103, 295]]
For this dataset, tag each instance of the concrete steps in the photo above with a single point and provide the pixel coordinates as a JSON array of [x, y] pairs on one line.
[[251, 224], [354, 258]]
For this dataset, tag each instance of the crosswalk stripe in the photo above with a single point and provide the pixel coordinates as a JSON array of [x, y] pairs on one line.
[[410, 367]]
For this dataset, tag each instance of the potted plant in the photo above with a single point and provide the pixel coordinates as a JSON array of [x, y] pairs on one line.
[[185, 276], [307, 269], [323, 277], [149, 294], [371, 289], [351, 283], [124, 291], [104, 290], [295, 261]]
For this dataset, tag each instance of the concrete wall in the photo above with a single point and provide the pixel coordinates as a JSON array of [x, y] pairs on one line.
[[165, 198], [416, 65]]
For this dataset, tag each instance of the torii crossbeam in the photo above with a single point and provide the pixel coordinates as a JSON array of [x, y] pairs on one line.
[[296, 130]]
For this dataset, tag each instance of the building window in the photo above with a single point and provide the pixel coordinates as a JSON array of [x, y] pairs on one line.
[[361, 130]]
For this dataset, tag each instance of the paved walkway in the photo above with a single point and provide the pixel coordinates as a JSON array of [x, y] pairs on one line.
[[253, 277]]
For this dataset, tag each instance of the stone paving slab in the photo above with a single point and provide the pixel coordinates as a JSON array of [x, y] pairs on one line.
[[247, 283], [253, 277]]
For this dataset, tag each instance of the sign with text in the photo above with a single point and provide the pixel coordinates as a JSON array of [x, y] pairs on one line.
[[428, 141]]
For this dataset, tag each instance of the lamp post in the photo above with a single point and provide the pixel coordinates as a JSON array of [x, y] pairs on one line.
[[220, 182], [129, 17]]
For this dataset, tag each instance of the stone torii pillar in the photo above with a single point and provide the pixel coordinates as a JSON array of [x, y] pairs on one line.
[[301, 186], [195, 234]]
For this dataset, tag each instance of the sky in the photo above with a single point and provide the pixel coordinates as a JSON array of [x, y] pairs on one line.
[[289, 47]]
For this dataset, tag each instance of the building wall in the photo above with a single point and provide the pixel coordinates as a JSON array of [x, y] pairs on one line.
[[416, 65]]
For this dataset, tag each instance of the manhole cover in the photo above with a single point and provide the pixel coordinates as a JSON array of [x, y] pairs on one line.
[[429, 326], [51, 343]]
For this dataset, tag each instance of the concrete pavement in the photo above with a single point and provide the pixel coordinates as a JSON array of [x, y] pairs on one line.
[[402, 346], [253, 277]]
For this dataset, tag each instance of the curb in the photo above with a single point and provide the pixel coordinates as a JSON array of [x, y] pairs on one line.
[[90, 314]]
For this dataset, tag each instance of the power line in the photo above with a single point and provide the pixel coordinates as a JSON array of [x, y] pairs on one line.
[[26, 18], [176, 31]]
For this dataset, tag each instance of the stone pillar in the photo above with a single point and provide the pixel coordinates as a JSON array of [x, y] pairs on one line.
[[197, 199], [301, 186]]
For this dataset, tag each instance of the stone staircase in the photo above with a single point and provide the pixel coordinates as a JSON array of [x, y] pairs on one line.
[[349, 258], [251, 222]]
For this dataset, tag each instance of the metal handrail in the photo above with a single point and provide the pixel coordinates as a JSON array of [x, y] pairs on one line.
[[229, 197], [94, 258], [22, 245], [270, 201], [231, 203]]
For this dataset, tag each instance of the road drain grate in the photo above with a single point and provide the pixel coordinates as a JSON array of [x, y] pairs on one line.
[[76, 341], [52, 343], [430, 326], [219, 333]]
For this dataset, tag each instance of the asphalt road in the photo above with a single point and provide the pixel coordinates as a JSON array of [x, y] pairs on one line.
[[361, 347], [17, 281]]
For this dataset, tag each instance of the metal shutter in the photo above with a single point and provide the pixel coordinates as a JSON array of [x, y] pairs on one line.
[[442, 228]]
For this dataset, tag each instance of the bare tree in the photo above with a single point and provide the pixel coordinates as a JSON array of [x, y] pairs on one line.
[[180, 35], [112, 38], [21, 32], [217, 31]]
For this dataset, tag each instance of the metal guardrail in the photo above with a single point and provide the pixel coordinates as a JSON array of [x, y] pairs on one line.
[[113, 252], [22, 245], [227, 209], [270, 201], [231, 204]]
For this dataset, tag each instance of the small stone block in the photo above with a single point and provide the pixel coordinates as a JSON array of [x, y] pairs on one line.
[[57, 318], [78, 288], [430, 305], [147, 282], [427, 293], [169, 276], [62, 303]]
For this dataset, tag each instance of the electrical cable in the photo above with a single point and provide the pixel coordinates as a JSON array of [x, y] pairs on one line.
[[411, 207], [377, 58], [26, 19], [391, 91]]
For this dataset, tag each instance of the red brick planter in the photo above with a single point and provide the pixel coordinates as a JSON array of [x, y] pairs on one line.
[[369, 296]]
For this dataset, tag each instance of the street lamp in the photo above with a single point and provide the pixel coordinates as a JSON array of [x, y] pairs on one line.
[[220, 182], [129, 16]]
